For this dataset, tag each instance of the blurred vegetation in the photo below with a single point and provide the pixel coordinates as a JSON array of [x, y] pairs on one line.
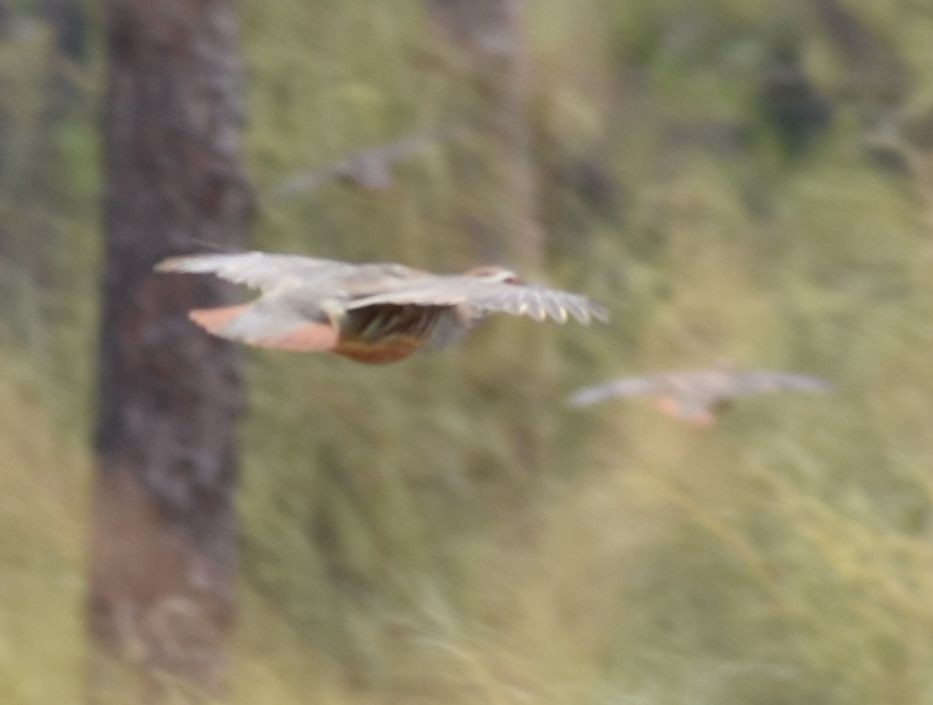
[[732, 176]]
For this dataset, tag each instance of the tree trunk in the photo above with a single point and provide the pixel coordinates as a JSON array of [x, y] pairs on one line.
[[163, 554], [494, 171], [494, 168]]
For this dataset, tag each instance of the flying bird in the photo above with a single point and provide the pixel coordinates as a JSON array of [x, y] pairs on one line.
[[369, 169], [373, 313], [697, 396]]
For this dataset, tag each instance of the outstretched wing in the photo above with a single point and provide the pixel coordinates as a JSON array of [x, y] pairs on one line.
[[368, 168], [624, 387], [537, 302], [255, 269], [749, 383]]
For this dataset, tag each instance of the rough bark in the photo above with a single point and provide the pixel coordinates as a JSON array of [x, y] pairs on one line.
[[163, 554]]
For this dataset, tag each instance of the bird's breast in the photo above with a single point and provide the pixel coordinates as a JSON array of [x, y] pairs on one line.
[[386, 333]]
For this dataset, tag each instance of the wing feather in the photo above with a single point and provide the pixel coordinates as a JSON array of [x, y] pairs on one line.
[[764, 382], [426, 291], [553, 310], [254, 269], [623, 387], [537, 302]]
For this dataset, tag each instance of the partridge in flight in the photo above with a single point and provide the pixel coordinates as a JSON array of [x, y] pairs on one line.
[[373, 313], [697, 396], [369, 169]]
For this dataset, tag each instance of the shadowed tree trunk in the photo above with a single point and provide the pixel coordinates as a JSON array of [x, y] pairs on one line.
[[163, 555], [493, 168]]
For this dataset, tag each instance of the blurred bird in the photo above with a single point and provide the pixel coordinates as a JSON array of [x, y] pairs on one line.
[[697, 396], [369, 169], [373, 313]]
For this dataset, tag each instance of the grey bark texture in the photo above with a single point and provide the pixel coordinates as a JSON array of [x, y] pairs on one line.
[[163, 551]]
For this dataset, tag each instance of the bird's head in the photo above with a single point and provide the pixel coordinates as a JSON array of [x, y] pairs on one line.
[[493, 273]]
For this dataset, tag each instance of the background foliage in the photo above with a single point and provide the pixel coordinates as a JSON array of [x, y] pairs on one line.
[[737, 178]]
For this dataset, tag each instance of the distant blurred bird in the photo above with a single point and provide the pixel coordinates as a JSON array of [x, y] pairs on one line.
[[373, 313], [368, 169], [697, 396]]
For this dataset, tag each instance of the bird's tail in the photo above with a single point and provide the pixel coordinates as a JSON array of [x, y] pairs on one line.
[[244, 324], [213, 320]]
